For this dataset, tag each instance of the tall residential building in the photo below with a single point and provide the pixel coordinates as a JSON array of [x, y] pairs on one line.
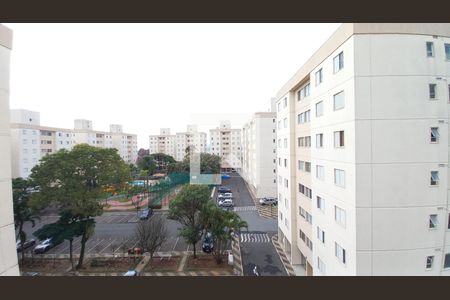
[[363, 181], [31, 141], [175, 144], [125, 143], [226, 142], [8, 254], [259, 156]]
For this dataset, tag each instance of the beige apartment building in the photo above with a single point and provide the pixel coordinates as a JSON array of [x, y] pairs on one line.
[[226, 142], [175, 145], [364, 153], [8, 254], [31, 141], [259, 154]]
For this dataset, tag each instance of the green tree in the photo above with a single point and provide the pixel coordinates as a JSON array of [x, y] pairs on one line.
[[187, 208], [222, 225], [75, 180], [209, 164], [22, 211], [67, 228], [163, 161]]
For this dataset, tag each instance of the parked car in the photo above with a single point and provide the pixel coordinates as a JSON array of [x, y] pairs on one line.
[[268, 201], [131, 273], [43, 246], [27, 244], [226, 176], [146, 213], [226, 203], [225, 196], [208, 245], [224, 189]]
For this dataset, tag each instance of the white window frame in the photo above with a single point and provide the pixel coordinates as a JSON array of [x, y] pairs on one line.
[[338, 62], [320, 235], [432, 91], [430, 51], [433, 221], [340, 253], [340, 216], [319, 109], [320, 203], [429, 262], [319, 140], [434, 178], [320, 172], [339, 177], [447, 51], [319, 76], [434, 135], [338, 142], [337, 105]]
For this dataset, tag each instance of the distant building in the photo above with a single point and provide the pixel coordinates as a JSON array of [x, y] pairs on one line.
[[259, 154], [175, 145], [8, 254], [226, 142], [31, 141]]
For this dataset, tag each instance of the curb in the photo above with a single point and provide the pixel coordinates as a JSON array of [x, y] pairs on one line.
[[283, 257], [262, 210], [237, 259]]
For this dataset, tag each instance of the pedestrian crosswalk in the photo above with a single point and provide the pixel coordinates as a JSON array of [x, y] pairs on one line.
[[244, 208], [254, 238]]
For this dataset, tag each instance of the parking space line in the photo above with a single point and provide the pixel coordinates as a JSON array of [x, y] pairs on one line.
[[176, 242], [67, 246], [108, 245], [89, 249]]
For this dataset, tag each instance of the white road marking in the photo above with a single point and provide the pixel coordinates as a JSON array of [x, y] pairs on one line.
[[107, 245], [89, 249]]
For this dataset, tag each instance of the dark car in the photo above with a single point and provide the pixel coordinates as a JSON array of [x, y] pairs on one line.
[[26, 245], [224, 189], [208, 245], [146, 213]]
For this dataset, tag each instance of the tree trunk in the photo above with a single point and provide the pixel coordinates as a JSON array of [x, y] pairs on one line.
[[70, 252], [22, 240], [193, 246], [83, 244]]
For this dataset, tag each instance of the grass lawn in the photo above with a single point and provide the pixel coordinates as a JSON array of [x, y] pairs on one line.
[[207, 263], [165, 264], [45, 265], [110, 264]]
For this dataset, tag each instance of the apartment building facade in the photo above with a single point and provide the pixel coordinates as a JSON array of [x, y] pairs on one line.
[[175, 145], [31, 141], [8, 255], [365, 153], [226, 142], [259, 156]]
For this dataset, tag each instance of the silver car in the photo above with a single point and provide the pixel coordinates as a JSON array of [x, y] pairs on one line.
[[226, 203], [268, 201]]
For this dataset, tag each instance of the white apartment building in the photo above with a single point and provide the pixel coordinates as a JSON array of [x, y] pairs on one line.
[[259, 157], [226, 142], [8, 254], [31, 141], [175, 144], [364, 153]]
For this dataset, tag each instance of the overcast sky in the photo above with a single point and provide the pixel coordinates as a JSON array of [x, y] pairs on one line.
[[147, 76]]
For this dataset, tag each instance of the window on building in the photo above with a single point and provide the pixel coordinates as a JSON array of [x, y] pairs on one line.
[[339, 177], [307, 90], [279, 161], [279, 125], [307, 116], [285, 102], [301, 141], [286, 223], [307, 167], [433, 221], [447, 261], [430, 49], [285, 163], [281, 216], [320, 265], [447, 51], [286, 183], [434, 134], [319, 77], [340, 215], [319, 109], [338, 62], [319, 140], [320, 203], [340, 253], [338, 101], [307, 141], [279, 143], [279, 106], [301, 188], [320, 235], [285, 122], [285, 143], [301, 165], [434, 180], [320, 173], [432, 90], [339, 139]]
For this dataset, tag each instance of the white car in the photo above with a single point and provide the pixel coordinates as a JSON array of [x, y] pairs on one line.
[[225, 196], [131, 273], [226, 203], [43, 246], [268, 201]]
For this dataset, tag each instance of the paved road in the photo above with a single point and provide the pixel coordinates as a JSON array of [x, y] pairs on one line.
[[256, 245]]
